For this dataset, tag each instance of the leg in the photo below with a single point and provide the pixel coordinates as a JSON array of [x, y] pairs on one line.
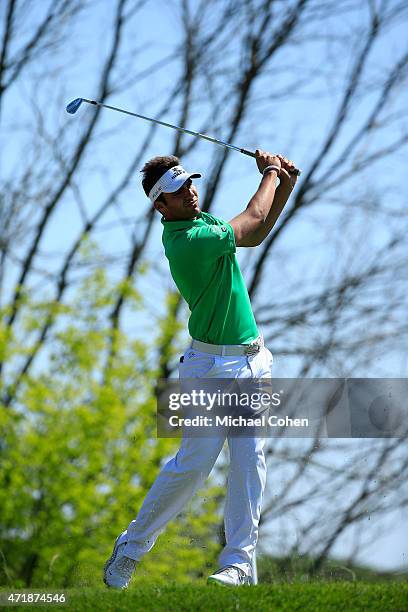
[[246, 485], [172, 489]]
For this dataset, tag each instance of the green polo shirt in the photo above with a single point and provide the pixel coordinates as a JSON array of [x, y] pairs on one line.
[[203, 264]]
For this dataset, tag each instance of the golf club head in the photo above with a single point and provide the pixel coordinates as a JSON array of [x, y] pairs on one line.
[[74, 105]]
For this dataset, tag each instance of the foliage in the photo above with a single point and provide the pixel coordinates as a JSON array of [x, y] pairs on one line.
[[300, 568], [79, 451]]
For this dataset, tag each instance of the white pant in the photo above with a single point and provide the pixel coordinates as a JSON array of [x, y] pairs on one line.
[[186, 472]]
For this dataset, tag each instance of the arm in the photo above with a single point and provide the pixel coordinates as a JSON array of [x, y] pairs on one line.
[[254, 217], [282, 194]]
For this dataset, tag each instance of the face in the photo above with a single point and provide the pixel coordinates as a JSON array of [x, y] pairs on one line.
[[180, 205]]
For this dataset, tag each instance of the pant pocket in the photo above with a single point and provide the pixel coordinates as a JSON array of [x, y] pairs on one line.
[[261, 364], [196, 365]]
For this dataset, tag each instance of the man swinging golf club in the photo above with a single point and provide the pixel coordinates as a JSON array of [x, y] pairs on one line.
[[225, 344]]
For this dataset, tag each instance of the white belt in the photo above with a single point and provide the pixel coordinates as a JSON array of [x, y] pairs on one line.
[[229, 349]]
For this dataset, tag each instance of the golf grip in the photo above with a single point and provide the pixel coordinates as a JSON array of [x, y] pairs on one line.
[[296, 171]]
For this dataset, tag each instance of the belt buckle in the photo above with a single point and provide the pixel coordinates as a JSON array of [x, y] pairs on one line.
[[254, 347]]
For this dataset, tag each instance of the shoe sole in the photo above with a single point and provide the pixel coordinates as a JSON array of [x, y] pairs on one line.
[[110, 560], [225, 584], [219, 583]]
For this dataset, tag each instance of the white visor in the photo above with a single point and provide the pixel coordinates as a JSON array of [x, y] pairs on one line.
[[171, 181]]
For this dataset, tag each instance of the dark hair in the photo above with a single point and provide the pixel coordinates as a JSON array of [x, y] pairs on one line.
[[155, 168]]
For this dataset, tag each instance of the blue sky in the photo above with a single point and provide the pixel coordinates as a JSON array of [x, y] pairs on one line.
[[293, 127]]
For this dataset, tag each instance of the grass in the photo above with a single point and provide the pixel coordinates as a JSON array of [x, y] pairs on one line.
[[286, 584], [313, 596]]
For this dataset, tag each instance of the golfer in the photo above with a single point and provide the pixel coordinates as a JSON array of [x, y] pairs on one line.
[[225, 343]]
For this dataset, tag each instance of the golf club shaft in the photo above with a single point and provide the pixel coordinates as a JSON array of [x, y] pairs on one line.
[[180, 129]]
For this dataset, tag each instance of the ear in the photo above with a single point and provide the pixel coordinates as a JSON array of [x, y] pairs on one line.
[[160, 205]]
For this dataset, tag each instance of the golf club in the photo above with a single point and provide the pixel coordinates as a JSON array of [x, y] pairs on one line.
[[73, 106]]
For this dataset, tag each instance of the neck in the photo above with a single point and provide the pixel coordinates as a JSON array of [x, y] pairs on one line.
[[188, 219]]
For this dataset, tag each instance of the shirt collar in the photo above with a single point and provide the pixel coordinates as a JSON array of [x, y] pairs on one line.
[[183, 223]]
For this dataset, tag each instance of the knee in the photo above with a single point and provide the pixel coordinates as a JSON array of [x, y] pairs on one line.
[[195, 465], [250, 458]]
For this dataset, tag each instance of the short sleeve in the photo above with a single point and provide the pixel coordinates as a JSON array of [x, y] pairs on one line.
[[212, 241]]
